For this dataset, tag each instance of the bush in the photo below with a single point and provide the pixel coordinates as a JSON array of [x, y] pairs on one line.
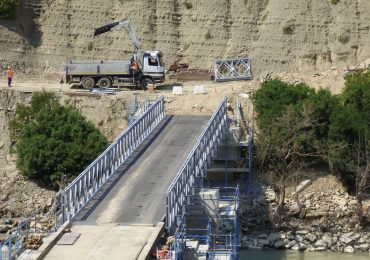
[[90, 46], [208, 35], [53, 141], [273, 98], [188, 4], [334, 2], [350, 123], [339, 126], [7, 8], [289, 29]]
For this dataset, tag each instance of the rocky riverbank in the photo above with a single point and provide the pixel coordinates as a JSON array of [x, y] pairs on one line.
[[319, 216]]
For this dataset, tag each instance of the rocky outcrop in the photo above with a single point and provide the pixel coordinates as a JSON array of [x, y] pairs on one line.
[[279, 35], [329, 221]]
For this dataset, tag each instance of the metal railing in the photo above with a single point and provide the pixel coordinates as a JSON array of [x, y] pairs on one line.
[[12, 247], [82, 189], [195, 166]]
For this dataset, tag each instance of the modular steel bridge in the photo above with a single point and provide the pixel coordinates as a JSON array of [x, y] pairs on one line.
[[155, 171]]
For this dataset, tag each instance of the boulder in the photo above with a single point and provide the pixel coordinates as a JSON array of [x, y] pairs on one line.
[[263, 242], [262, 236], [270, 195], [290, 244], [301, 232], [346, 239], [279, 244], [273, 237], [299, 238], [4, 196], [49, 202], [301, 187], [320, 243], [349, 249], [299, 246], [4, 228], [320, 248], [363, 247], [327, 239], [310, 237]]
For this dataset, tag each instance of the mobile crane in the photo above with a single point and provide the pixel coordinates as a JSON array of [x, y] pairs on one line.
[[104, 74]]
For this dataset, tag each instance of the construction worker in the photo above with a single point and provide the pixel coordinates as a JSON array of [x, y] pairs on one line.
[[134, 69], [9, 74]]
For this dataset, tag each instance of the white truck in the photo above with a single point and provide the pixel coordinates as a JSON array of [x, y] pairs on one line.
[[105, 74]]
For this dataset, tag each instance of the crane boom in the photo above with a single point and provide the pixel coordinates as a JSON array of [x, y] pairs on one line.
[[126, 24]]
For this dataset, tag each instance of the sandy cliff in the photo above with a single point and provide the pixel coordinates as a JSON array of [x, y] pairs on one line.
[[280, 35]]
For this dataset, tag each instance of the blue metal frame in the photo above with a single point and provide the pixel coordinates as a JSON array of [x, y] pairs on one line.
[[13, 244]]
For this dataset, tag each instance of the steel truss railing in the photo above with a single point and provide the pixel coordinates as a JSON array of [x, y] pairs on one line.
[[195, 166], [82, 189], [233, 69]]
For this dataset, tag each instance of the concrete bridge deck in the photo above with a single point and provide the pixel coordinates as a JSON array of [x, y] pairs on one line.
[[122, 222]]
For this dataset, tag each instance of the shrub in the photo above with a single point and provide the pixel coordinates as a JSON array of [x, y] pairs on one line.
[[53, 141], [350, 123], [338, 129], [90, 46], [288, 29], [273, 98], [188, 4], [208, 35], [7, 8], [334, 2], [344, 38]]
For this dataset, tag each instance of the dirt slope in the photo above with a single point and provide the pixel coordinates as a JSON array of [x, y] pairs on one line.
[[280, 35]]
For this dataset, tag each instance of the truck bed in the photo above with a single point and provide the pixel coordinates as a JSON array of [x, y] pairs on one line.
[[98, 68]]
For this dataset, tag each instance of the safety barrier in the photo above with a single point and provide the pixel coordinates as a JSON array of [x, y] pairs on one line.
[[82, 189], [195, 166]]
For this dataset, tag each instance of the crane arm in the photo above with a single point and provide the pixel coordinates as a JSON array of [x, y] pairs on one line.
[[126, 24]]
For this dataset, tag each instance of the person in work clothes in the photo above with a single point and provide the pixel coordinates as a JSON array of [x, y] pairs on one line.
[[9, 74]]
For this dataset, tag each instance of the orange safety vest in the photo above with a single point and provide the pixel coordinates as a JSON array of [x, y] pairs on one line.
[[9, 73], [135, 67]]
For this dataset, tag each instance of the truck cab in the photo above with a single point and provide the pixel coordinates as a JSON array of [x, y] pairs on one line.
[[153, 67]]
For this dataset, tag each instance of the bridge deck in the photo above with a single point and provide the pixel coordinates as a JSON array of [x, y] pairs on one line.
[[138, 194]]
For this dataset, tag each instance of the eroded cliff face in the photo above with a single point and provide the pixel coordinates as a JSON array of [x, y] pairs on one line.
[[107, 112], [279, 35]]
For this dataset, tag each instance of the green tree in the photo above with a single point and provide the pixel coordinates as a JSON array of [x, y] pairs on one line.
[[7, 8], [273, 98], [350, 123], [53, 141]]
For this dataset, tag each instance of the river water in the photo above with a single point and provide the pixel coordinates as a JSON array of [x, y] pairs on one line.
[[251, 254]]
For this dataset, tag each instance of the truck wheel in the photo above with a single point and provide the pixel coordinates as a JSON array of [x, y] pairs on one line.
[[145, 82], [104, 83], [88, 83]]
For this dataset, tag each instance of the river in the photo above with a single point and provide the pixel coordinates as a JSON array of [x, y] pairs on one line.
[[251, 254]]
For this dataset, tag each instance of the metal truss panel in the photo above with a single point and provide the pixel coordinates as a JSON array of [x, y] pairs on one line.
[[83, 188], [195, 166], [233, 69]]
